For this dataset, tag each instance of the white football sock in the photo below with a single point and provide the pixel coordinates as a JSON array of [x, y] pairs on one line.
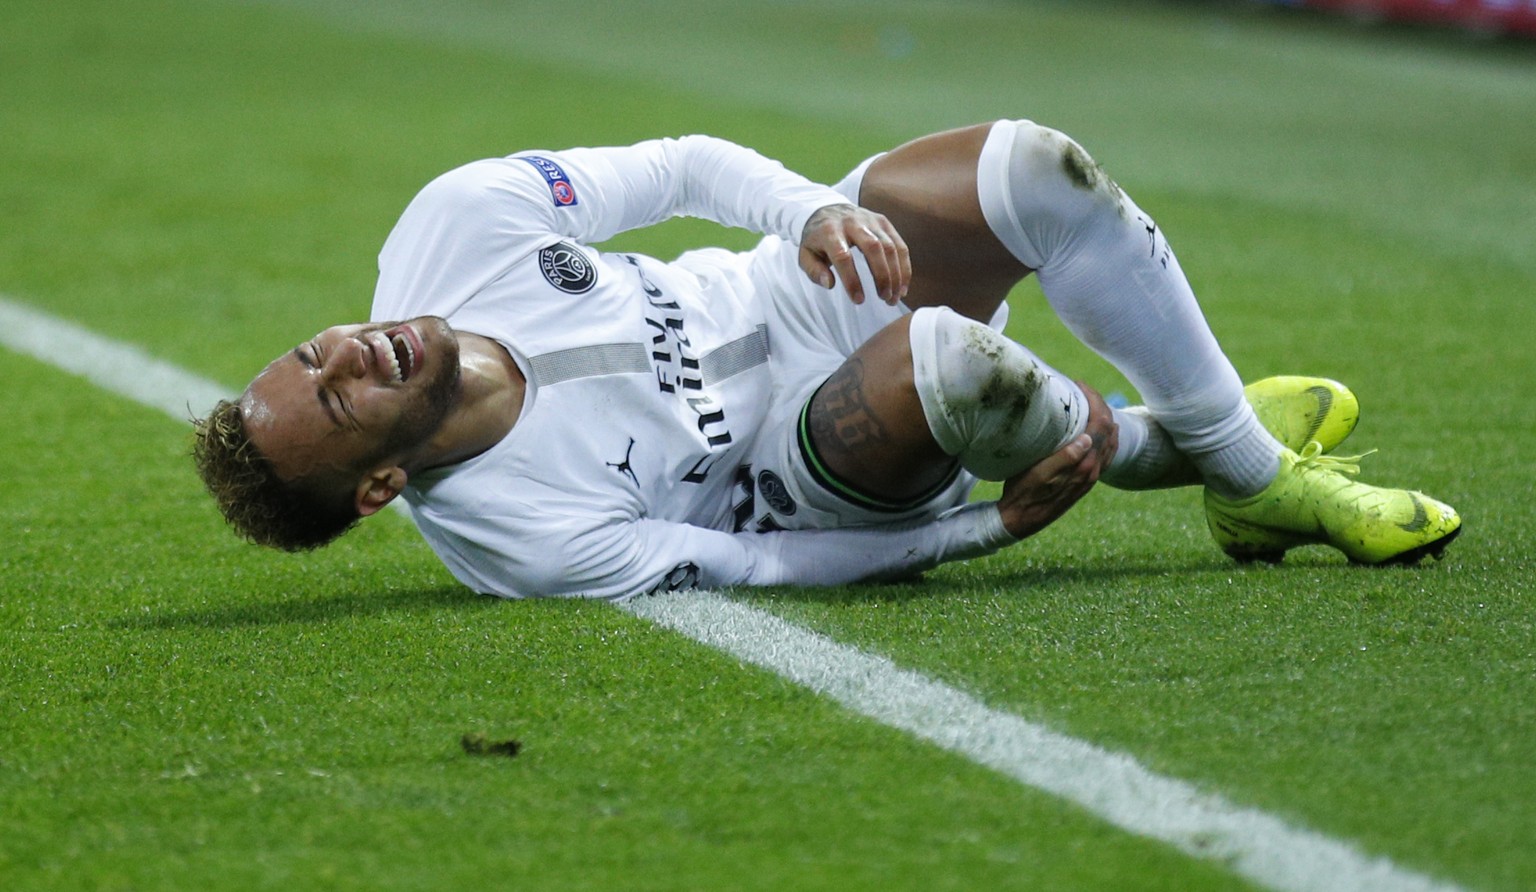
[[1107, 271], [1147, 458]]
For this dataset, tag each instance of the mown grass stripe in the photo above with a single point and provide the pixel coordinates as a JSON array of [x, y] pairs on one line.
[[1110, 785]]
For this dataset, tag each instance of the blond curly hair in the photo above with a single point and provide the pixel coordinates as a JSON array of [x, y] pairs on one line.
[[292, 515]]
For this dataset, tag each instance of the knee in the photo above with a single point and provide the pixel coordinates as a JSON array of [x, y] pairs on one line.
[[988, 401], [1039, 188], [961, 363], [1057, 174]]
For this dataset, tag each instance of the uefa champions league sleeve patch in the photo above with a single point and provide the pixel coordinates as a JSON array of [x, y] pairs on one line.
[[560, 188], [566, 268]]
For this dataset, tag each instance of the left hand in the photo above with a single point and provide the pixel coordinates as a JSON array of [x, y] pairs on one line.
[[828, 242], [1035, 498]]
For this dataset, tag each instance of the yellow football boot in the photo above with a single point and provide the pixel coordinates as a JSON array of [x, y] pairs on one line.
[[1297, 410], [1315, 500]]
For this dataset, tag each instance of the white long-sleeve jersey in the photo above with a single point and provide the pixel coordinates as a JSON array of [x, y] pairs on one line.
[[647, 381]]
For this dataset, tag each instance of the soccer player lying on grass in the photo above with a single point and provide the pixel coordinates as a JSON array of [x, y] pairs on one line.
[[565, 421]]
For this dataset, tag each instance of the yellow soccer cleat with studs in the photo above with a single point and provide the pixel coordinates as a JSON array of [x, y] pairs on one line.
[[1314, 498]]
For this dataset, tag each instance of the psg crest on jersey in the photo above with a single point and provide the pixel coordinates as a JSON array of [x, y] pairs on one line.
[[566, 268], [775, 493]]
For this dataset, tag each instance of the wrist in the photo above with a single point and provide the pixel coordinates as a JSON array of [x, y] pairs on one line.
[[998, 533], [810, 213]]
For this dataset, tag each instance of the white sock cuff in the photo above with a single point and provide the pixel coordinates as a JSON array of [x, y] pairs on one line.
[[923, 337], [993, 171]]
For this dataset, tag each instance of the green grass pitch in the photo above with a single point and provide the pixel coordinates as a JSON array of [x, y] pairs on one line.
[[211, 181]]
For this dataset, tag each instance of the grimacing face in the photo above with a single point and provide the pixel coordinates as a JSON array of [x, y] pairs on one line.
[[353, 397]]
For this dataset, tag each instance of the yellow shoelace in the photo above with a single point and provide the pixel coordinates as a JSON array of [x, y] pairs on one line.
[[1311, 456]]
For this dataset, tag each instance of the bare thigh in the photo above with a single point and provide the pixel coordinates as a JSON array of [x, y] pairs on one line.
[[927, 188]]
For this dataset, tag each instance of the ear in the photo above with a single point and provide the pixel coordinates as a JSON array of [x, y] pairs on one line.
[[378, 489]]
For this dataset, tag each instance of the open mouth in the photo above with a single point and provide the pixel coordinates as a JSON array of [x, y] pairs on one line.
[[407, 352]]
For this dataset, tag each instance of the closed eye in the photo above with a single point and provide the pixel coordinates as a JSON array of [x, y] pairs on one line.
[[323, 396], [312, 360], [348, 411]]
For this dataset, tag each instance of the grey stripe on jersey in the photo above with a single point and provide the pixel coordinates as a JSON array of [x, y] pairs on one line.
[[585, 362], [735, 357], [721, 363]]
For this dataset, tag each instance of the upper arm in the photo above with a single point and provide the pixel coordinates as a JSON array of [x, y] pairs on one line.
[[470, 225], [461, 232]]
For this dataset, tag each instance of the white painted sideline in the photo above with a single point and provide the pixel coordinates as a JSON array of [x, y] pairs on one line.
[[1113, 786], [111, 365]]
